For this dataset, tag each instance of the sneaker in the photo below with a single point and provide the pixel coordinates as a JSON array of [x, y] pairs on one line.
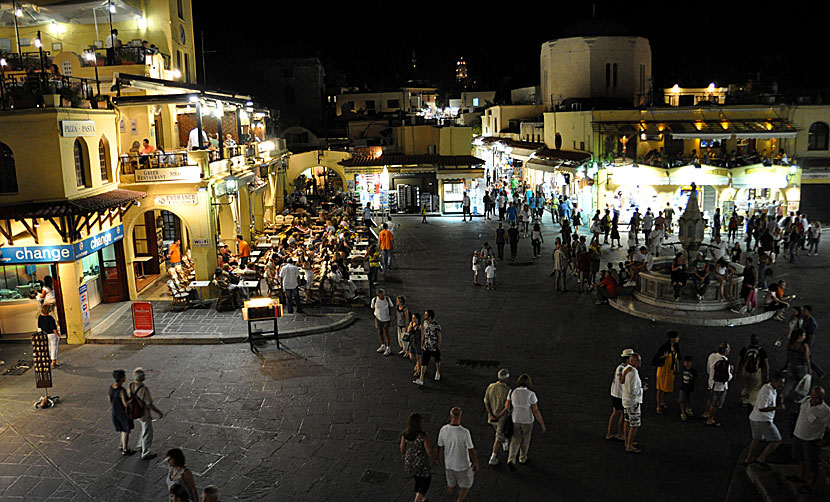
[[149, 456], [387, 351], [683, 417], [437, 376], [381, 348], [522, 460], [689, 413], [494, 460], [418, 381], [777, 343]]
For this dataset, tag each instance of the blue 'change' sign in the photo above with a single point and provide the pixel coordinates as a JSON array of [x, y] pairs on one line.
[[63, 253], [96, 242]]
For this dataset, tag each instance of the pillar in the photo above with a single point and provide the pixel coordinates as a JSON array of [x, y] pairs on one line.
[[71, 277]]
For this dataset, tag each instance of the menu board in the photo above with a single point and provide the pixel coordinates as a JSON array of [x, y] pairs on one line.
[[41, 360]]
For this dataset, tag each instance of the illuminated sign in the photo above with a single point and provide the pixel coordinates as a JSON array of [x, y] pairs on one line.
[[76, 128], [96, 242], [183, 173], [175, 199], [62, 253]]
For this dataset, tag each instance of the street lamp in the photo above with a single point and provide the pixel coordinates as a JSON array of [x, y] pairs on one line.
[[91, 57]]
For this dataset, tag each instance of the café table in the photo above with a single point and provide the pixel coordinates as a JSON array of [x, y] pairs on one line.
[[142, 260], [199, 285]]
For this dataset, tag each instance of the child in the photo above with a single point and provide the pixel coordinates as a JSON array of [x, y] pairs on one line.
[[688, 377], [476, 259], [490, 272]]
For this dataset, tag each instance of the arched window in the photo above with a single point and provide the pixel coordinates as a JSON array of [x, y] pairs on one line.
[[817, 138], [8, 173], [81, 164], [607, 74], [615, 74], [104, 159]]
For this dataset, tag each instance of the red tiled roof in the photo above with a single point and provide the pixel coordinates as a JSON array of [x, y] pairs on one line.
[[408, 160], [83, 205]]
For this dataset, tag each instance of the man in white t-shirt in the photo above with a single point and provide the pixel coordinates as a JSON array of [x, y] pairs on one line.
[[761, 420], [455, 447], [382, 306], [718, 382], [616, 424], [632, 400], [718, 249], [193, 139], [813, 420], [289, 278]]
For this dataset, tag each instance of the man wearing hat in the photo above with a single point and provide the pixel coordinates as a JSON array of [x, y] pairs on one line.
[[616, 422], [497, 415]]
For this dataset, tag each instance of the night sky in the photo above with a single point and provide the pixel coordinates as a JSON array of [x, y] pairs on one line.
[[692, 43]]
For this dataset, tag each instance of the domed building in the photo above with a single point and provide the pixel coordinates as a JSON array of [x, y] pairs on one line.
[[597, 59]]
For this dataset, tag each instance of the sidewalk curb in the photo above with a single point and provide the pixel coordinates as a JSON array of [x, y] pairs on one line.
[[347, 320]]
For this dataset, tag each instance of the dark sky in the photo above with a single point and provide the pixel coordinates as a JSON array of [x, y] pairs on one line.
[[692, 43]]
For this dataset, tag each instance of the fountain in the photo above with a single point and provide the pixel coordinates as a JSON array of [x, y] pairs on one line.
[[653, 297]]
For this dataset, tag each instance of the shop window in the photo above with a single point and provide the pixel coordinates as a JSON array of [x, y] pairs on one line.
[[81, 164], [817, 139], [104, 159], [8, 173]]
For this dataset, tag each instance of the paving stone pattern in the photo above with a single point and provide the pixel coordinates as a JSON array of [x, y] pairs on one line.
[[319, 420]]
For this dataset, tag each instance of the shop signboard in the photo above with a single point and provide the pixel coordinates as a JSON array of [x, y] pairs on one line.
[[84, 295], [143, 325], [36, 254], [96, 242], [182, 173], [41, 360], [176, 199], [201, 243], [77, 128]]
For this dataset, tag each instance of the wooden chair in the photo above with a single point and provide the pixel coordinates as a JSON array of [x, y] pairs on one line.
[[225, 300], [279, 219], [179, 297]]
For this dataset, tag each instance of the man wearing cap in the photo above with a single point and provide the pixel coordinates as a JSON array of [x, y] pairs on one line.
[[494, 399], [616, 422]]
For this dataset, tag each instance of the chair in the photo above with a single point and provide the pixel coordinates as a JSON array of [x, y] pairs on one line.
[[225, 299], [289, 220], [279, 219], [179, 297]]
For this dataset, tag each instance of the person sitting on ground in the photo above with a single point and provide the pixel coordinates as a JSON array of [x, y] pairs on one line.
[[774, 300], [605, 288]]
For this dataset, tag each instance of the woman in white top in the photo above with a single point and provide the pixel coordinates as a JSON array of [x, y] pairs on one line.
[[525, 220], [524, 404], [813, 236]]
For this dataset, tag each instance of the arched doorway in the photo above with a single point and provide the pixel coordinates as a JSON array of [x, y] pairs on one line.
[[150, 238], [319, 181]]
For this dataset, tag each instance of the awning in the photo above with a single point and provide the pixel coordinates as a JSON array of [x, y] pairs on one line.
[[700, 176], [457, 174], [408, 160], [642, 175], [701, 135], [549, 166], [766, 135], [173, 92], [71, 207], [761, 176]]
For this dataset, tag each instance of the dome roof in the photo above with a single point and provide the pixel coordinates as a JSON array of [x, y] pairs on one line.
[[596, 27]]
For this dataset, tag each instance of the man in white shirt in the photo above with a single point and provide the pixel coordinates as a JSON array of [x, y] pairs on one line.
[[813, 421], [632, 400], [616, 424], [193, 139], [761, 420], [382, 306], [465, 207], [643, 260], [111, 43], [455, 447], [501, 202], [718, 249], [718, 382], [289, 278]]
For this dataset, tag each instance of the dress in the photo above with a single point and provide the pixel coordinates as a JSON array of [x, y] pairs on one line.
[[668, 368], [415, 340], [615, 232], [176, 479], [119, 415], [416, 461]]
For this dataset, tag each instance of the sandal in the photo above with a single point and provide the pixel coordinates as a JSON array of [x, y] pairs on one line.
[[659, 411]]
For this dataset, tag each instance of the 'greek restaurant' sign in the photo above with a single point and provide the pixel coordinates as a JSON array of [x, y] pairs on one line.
[[62, 253], [183, 173]]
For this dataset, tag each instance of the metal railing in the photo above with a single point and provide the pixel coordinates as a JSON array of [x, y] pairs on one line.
[[131, 162], [21, 90]]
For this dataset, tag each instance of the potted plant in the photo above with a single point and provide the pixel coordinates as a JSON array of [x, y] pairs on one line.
[[100, 102], [70, 98], [23, 97], [51, 96]]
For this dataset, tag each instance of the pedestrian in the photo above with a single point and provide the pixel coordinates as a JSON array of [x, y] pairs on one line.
[[371, 263], [416, 450], [386, 240], [486, 252], [476, 263], [367, 216], [632, 399], [210, 494], [490, 273], [244, 250], [487, 208], [748, 288], [179, 474], [688, 378], [648, 224], [290, 279], [524, 403], [401, 322], [615, 230], [431, 339], [118, 400], [524, 220], [138, 390], [666, 360], [512, 213], [413, 330], [761, 421], [424, 213], [500, 240], [813, 420], [560, 266], [174, 253], [669, 215], [383, 308], [679, 276], [455, 448], [46, 323], [810, 326], [753, 370], [798, 361], [719, 371], [606, 288], [513, 238], [497, 414], [536, 240], [501, 201], [813, 238], [616, 422]]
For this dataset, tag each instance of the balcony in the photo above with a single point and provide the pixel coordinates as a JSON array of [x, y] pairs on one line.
[[160, 167], [36, 89]]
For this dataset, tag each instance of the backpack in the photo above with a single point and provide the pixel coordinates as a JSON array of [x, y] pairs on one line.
[[721, 371], [752, 359], [135, 406]]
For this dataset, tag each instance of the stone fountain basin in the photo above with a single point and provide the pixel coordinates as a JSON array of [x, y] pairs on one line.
[[654, 288]]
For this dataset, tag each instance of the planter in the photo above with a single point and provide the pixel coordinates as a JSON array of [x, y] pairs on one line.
[[86, 104], [51, 100], [66, 103], [100, 104]]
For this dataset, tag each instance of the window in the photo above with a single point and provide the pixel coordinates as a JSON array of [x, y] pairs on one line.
[[179, 60], [607, 74], [104, 159], [615, 75], [81, 164], [817, 138], [393, 103], [180, 6], [370, 105], [186, 67], [475, 101], [8, 174], [66, 68], [171, 226]]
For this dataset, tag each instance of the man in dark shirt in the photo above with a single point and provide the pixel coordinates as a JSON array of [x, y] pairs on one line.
[[688, 377], [513, 239], [811, 329], [753, 368]]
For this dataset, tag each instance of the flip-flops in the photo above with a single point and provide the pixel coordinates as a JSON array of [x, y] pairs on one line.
[[713, 424]]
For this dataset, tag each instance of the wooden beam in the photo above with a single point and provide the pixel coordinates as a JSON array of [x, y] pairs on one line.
[[93, 221], [58, 228], [32, 230], [7, 231]]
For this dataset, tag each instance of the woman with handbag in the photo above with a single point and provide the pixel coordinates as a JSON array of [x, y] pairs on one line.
[[667, 361], [417, 453], [401, 322], [413, 338], [798, 361], [523, 402]]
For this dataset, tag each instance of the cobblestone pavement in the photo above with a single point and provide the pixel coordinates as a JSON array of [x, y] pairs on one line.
[[321, 420]]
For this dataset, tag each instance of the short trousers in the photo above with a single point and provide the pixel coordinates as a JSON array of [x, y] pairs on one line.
[[633, 415], [807, 452], [499, 426], [684, 397], [616, 402], [381, 324], [764, 431], [429, 354], [461, 479], [717, 397], [422, 484]]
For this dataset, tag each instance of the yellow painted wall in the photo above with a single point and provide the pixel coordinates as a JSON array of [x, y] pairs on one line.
[[455, 140], [574, 127]]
